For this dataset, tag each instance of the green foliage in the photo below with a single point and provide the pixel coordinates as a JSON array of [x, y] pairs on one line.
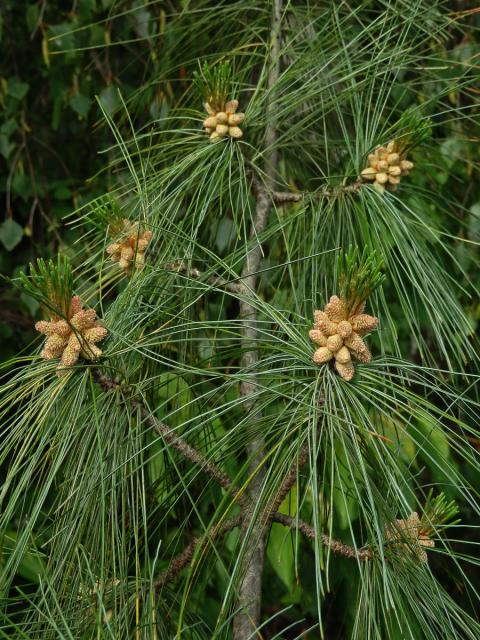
[[214, 83], [56, 58], [412, 130], [51, 284], [359, 275], [96, 499], [439, 512], [10, 234]]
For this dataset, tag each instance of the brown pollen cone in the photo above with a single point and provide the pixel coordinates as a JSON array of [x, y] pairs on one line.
[[129, 250], [72, 339], [224, 122], [409, 536], [339, 335], [386, 165]]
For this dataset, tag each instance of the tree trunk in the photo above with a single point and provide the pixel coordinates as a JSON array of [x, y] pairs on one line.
[[250, 593]]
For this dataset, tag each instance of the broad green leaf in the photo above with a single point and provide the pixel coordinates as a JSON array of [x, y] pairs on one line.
[[17, 89], [281, 553], [225, 234], [31, 304], [22, 186], [174, 394], [397, 434], [109, 99], [80, 104], [61, 36], [281, 544], [31, 16], [346, 506], [10, 234], [9, 127], [434, 436], [32, 566], [6, 147], [143, 23], [452, 149], [474, 222]]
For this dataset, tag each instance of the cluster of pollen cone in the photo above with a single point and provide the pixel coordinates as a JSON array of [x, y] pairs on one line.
[[224, 121], [386, 166], [410, 536], [72, 338], [338, 333], [129, 249]]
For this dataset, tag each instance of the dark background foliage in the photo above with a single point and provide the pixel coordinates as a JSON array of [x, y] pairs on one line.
[[59, 58]]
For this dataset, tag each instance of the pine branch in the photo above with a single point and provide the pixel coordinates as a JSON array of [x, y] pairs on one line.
[[289, 479], [284, 197], [196, 274], [337, 546], [186, 450], [250, 592], [184, 558], [173, 439]]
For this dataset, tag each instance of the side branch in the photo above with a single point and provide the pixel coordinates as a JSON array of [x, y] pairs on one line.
[[284, 197], [247, 619], [184, 558], [186, 450], [337, 546], [289, 480], [196, 274], [173, 439]]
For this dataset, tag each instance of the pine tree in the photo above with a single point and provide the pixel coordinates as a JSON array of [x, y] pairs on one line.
[[254, 374]]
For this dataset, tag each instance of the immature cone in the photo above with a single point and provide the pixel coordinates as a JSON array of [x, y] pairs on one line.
[[224, 122], [386, 166], [338, 334], [130, 248], [72, 339], [409, 536]]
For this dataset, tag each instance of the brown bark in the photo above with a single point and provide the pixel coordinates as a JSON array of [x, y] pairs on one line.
[[183, 559], [284, 197], [194, 273], [337, 546], [250, 592], [173, 439], [289, 479]]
